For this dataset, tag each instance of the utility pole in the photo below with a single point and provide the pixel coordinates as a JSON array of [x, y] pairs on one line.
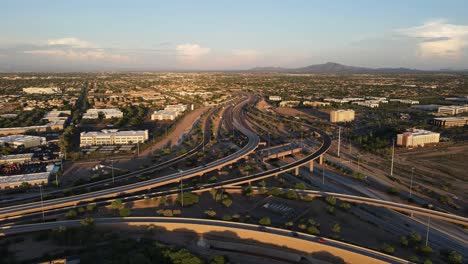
[[428, 227], [56, 180], [203, 141], [112, 166], [411, 182], [393, 155], [181, 193], [358, 159], [339, 141], [323, 173], [42, 203], [138, 149]]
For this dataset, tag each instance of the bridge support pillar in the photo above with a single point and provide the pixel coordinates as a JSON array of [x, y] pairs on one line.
[[296, 171], [311, 166], [321, 159]]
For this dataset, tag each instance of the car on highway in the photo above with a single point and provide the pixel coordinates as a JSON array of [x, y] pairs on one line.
[[321, 240], [294, 234]]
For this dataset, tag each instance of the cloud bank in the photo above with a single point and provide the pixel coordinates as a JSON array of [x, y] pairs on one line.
[[439, 39]]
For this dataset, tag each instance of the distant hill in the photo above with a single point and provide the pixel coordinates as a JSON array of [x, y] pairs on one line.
[[332, 67]]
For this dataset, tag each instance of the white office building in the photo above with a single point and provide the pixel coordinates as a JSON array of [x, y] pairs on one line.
[[108, 113], [113, 137], [170, 112], [417, 137], [42, 90]]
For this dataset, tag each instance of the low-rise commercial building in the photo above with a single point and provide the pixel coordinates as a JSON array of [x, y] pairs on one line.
[[452, 109], [275, 98], [370, 104], [170, 112], [56, 115], [164, 115], [40, 178], [405, 101], [42, 90], [450, 121], [25, 141], [342, 115], [315, 103], [54, 125], [289, 103], [107, 112], [18, 158], [417, 137], [113, 137]]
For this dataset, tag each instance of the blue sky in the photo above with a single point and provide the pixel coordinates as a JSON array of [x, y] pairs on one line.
[[153, 35]]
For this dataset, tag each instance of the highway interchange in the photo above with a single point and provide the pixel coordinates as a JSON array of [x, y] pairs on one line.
[[237, 121]]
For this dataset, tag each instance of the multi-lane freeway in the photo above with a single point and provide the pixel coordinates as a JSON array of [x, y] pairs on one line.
[[238, 122], [350, 253]]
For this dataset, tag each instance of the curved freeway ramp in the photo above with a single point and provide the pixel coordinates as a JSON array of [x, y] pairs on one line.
[[282, 238], [250, 147]]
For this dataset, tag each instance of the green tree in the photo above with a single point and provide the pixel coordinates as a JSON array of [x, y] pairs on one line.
[[291, 194], [404, 241], [313, 230], [71, 214], [91, 207], [331, 200], [336, 228], [275, 191], [300, 186], [227, 202], [455, 258], [125, 212], [117, 204], [388, 249], [426, 250], [219, 259], [188, 199], [210, 213], [265, 221]]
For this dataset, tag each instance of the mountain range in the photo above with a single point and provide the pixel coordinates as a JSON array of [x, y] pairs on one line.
[[332, 67]]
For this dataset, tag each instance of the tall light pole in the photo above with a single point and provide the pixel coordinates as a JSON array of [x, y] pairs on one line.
[[181, 193], [339, 141], [112, 166], [411, 182], [42, 203], [358, 160], [393, 155], [428, 227], [323, 173]]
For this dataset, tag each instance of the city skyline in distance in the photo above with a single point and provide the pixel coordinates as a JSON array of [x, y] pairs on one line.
[[181, 35]]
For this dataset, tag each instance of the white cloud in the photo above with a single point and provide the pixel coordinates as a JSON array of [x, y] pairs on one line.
[[74, 49], [439, 39], [190, 53], [71, 42]]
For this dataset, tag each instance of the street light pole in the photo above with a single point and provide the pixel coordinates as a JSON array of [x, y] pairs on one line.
[[112, 166], [428, 227], [323, 173], [393, 155], [181, 193], [339, 141], [42, 203], [411, 182]]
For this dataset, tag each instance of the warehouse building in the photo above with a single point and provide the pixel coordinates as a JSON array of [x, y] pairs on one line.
[[16, 159], [54, 125], [450, 121], [25, 141], [452, 109]]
